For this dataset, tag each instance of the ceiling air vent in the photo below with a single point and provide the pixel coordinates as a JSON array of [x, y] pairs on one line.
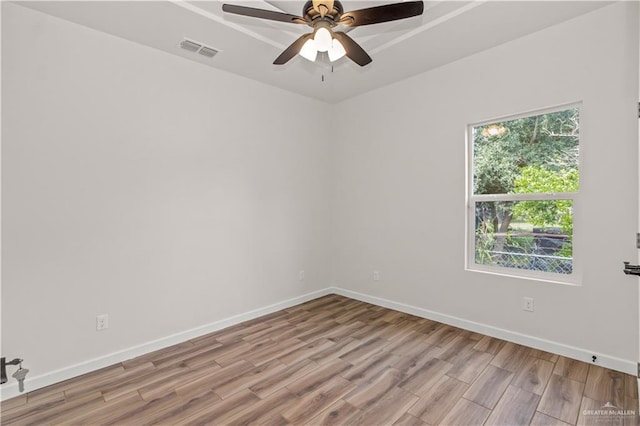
[[190, 46], [193, 46], [207, 51]]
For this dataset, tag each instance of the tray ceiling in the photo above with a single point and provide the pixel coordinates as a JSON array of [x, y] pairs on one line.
[[447, 31]]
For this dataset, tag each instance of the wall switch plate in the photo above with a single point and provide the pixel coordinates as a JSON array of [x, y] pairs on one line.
[[527, 304], [376, 275], [102, 322], [301, 275]]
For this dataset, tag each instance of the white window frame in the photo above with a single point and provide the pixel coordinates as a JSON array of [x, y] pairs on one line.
[[575, 277]]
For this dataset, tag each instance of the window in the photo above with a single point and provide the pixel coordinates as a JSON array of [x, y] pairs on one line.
[[523, 181]]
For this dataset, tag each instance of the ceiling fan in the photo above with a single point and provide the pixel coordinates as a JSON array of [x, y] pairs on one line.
[[323, 16]]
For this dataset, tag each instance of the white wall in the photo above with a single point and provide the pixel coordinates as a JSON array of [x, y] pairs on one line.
[[160, 191], [399, 184]]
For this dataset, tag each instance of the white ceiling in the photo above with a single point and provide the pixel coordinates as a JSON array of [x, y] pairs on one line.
[[447, 31]]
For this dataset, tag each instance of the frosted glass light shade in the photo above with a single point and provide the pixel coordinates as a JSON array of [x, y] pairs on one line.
[[322, 39], [336, 51], [309, 50]]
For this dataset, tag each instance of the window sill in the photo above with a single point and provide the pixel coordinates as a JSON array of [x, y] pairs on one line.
[[573, 279]]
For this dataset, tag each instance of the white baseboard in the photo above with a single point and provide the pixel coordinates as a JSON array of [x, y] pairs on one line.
[[10, 390], [581, 354]]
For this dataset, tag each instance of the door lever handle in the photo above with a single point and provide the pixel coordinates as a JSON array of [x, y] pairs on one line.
[[631, 269]]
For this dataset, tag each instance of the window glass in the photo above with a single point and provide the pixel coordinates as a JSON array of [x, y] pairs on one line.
[[524, 181]]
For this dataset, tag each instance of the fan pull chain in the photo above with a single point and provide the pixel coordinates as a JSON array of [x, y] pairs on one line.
[[323, 73]]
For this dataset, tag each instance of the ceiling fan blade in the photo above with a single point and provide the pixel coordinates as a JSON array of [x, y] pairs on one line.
[[378, 14], [292, 50], [353, 49], [263, 14]]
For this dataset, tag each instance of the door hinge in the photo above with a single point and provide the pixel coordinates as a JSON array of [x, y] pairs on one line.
[[638, 240], [639, 369], [638, 109]]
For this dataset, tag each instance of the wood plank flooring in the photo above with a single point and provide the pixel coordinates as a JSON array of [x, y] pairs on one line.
[[334, 361]]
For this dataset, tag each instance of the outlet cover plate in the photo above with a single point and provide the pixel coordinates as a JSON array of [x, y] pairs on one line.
[[102, 322]]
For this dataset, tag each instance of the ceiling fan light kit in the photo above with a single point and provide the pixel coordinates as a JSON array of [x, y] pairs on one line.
[[336, 51], [322, 41], [323, 16]]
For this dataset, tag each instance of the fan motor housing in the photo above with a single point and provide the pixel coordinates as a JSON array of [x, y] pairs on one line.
[[312, 14]]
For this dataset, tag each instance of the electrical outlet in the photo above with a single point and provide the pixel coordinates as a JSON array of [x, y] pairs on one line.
[[301, 275], [527, 304], [376, 275], [102, 322]]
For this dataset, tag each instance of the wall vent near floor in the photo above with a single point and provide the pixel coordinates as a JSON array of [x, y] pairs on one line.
[[200, 48]]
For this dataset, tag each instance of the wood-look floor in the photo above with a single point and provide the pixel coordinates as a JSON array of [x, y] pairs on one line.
[[337, 361]]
